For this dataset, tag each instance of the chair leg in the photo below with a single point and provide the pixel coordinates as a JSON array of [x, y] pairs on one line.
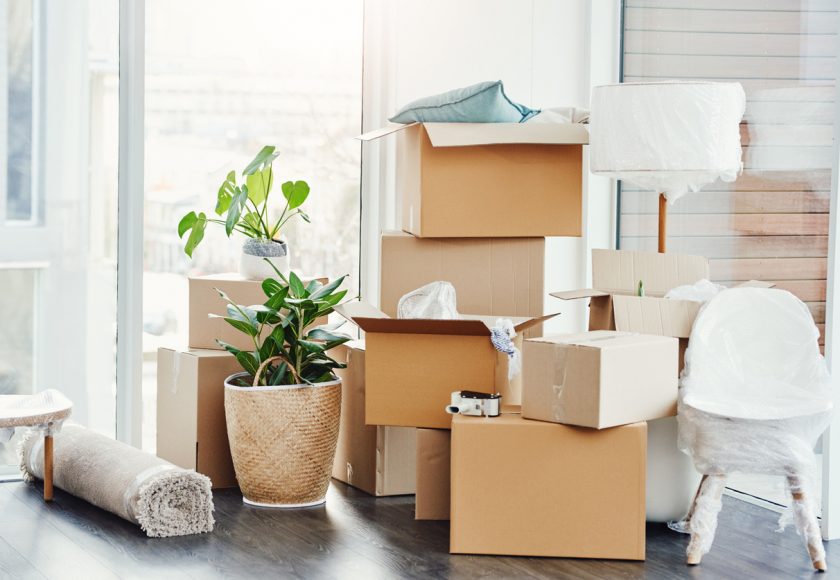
[[806, 521], [704, 514], [694, 501], [48, 468]]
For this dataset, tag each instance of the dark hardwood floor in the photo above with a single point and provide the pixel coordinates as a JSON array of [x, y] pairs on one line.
[[355, 536]]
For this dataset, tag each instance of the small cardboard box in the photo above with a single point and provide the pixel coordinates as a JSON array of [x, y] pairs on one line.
[[433, 457], [191, 427], [377, 460], [500, 276], [615, 304], [204, 300], [468, 180], [600, 379], [529, 488], [414, 365]]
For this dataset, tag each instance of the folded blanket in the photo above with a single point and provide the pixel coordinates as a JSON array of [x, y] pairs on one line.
[[163, 499]]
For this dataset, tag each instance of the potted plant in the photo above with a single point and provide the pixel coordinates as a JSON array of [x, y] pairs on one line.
[[283, 409], [243, 207]]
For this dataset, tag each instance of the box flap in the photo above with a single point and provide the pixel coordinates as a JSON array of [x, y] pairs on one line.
[[619, 271], [526, 324], [577, 294], [756, 284], [358, 309], [651, 315], [423, 326], [383, 131], [467, 134]]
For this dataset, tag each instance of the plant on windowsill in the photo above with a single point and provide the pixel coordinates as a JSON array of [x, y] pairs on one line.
[[243, 206], [283, 409]]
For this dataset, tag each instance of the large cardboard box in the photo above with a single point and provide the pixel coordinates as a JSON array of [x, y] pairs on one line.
[[377, 460], [600, 379], [616, 305], [414, 365], [191, 427], [503, 276], [205, 300], [433, 458], [529, 488], [468, 180]]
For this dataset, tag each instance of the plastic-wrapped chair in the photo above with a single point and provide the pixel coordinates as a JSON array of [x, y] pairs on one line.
[[47, 411], [754, 398]]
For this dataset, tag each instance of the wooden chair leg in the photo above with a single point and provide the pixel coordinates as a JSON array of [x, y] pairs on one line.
[[704, 513], [48, 468], [806, 522]]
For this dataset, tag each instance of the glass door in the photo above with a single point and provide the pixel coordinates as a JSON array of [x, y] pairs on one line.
[[59, 65]]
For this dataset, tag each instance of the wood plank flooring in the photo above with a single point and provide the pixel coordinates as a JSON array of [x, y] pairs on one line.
[[355, 536]]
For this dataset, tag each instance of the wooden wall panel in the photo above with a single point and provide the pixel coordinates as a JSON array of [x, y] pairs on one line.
[[772, 223]]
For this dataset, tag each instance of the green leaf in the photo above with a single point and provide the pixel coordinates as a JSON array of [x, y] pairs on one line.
[[186, 223], [311, 346], [278, 336], [252, 220], [268, 350], [278, 299], [242, 326], [248, 362], [259, 185], [228, 347], [264, 157], [270, 287], [196, 234], [279, 374], [326, 336], [296, 286], [235, 209], [225, 195], [295, 193], [327, 289]]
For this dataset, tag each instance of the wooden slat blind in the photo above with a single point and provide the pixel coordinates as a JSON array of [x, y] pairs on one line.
[[772, 223]]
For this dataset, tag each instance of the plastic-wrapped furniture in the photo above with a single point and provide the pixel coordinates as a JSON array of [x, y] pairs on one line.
[[47, 411], [754, 398]]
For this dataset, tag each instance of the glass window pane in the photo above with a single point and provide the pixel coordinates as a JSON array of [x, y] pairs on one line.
[[247, 74], [19, 64], [59, 318]]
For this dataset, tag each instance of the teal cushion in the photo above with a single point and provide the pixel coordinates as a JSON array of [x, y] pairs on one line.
[[482, 103]]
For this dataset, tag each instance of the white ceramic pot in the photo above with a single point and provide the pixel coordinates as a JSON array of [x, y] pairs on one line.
[[671, 478], [282, 440], [252, 262]]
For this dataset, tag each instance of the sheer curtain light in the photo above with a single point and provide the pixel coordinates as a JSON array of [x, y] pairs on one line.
[[670, 137]]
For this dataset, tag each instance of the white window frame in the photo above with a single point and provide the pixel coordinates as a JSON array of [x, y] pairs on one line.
[[130, 223]]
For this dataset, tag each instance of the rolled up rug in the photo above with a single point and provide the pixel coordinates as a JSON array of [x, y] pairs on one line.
[[163, 499]]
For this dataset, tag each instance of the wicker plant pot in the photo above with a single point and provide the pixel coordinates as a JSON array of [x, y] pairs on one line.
[[282, 441]]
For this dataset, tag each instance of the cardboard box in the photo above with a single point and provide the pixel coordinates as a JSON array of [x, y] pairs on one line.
[[191, 427], [600, 379], [615, 304], [529, 488], [433, 458], [377, 460], [502, 276], [468, 180], [414, 365], [204, 300]]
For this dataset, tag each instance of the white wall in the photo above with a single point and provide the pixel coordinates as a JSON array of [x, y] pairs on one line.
[[546, 54]]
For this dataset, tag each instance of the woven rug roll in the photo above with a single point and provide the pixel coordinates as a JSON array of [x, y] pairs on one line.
[[163, 499]]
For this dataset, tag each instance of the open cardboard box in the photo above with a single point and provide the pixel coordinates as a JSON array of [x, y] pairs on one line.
[[501, 276], [615, 304], [413, 365], [457, 179]]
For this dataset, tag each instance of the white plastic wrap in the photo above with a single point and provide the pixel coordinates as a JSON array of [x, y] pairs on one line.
[[435, 300], [753, 354], [671, 137], [701, 291]]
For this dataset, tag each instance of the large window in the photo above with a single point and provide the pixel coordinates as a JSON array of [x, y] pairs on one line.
[[58, 181], [222, 80], [772, 223]]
